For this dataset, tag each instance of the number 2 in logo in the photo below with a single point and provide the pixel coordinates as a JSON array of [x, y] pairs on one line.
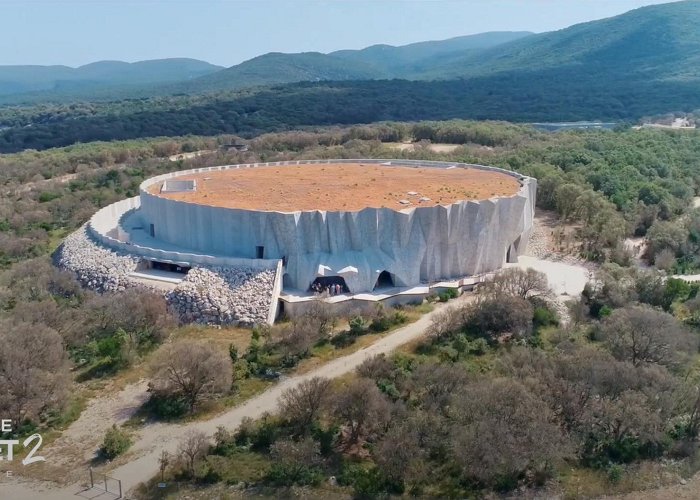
[[30, 458]]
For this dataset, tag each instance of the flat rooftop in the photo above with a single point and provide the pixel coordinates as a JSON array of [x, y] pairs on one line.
[[341, 187]]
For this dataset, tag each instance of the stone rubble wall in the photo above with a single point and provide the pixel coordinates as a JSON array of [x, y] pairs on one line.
[[96, 267], [207, 295], [224, 295]]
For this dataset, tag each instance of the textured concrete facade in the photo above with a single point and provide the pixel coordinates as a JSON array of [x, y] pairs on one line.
[[415, 245]]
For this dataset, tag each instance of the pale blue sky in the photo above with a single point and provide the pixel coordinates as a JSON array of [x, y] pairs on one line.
[[226, 32]]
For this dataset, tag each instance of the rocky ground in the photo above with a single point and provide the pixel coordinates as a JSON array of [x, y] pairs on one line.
[[210, 295]]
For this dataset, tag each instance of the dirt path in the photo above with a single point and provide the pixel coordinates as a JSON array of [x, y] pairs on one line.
[[79, 443]]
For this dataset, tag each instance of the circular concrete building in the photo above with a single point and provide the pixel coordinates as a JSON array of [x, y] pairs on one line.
[[357, 224]]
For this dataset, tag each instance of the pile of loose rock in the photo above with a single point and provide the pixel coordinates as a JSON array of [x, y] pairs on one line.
[[224, 295], [209, 295], [95, 266]]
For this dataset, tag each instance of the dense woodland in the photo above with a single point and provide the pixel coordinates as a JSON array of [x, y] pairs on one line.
[[537, 96], [590, 398], [498, 397]]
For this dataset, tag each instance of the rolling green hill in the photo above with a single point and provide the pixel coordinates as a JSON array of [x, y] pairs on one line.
[[402, 61], [116, 79], [659, 42], [372, 63], [275, 68]]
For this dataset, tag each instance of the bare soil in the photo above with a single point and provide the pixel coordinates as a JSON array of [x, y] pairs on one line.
[[413, 146], [346, 187]]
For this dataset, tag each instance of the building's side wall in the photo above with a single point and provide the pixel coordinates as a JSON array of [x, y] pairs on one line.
[[105, 227], [415, 245]]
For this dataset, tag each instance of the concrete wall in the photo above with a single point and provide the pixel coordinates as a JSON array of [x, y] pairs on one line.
[[276, 290], [418, 244], [352, 306], [105, 227]]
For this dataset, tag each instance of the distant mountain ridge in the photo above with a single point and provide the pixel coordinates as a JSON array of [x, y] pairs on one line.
[[372, 63], [656, 41], [170, 76], [20, 79]]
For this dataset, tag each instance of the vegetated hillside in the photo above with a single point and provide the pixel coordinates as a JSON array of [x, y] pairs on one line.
[[21, 79], [658, 42], [371, 63], [275, 68], [524, 97], [117, 80], [401, 61]]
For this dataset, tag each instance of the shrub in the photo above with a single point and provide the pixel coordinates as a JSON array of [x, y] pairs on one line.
[[295, 462], [399, 318], [165, 407], [366, 483], [115, 443], [478, 346], [544, 317], [357, 325], [448, 294]]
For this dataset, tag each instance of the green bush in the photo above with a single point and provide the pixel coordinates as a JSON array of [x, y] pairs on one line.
[[380, 324], [115, 443], [615, 473], [358, 325], [543, 316], [366, 483], [605, 311], [478, 346], [166, 408], [399, 318], [448, 294], [47, 196], [284, 475]]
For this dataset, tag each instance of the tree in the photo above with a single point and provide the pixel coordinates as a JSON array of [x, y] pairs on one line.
[[304, 331], [361, 408], [516, 282], [565, 198], [489, 442], [400, 456], [34, 371], [666, 235], [643, 335], [295, 462], [301, 405], [141, 314], [445, 323], [612, 409], [492, 317], [193, 447], [434, 384], [192, 371]]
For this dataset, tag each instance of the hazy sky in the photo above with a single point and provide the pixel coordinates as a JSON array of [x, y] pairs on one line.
[[226, 32]]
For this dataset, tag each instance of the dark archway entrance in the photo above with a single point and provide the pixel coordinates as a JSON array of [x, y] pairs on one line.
[[326, 283], [384, 280], [169, 267]]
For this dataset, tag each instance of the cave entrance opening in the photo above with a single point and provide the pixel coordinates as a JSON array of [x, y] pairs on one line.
[[329, 284], [384, 280]]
